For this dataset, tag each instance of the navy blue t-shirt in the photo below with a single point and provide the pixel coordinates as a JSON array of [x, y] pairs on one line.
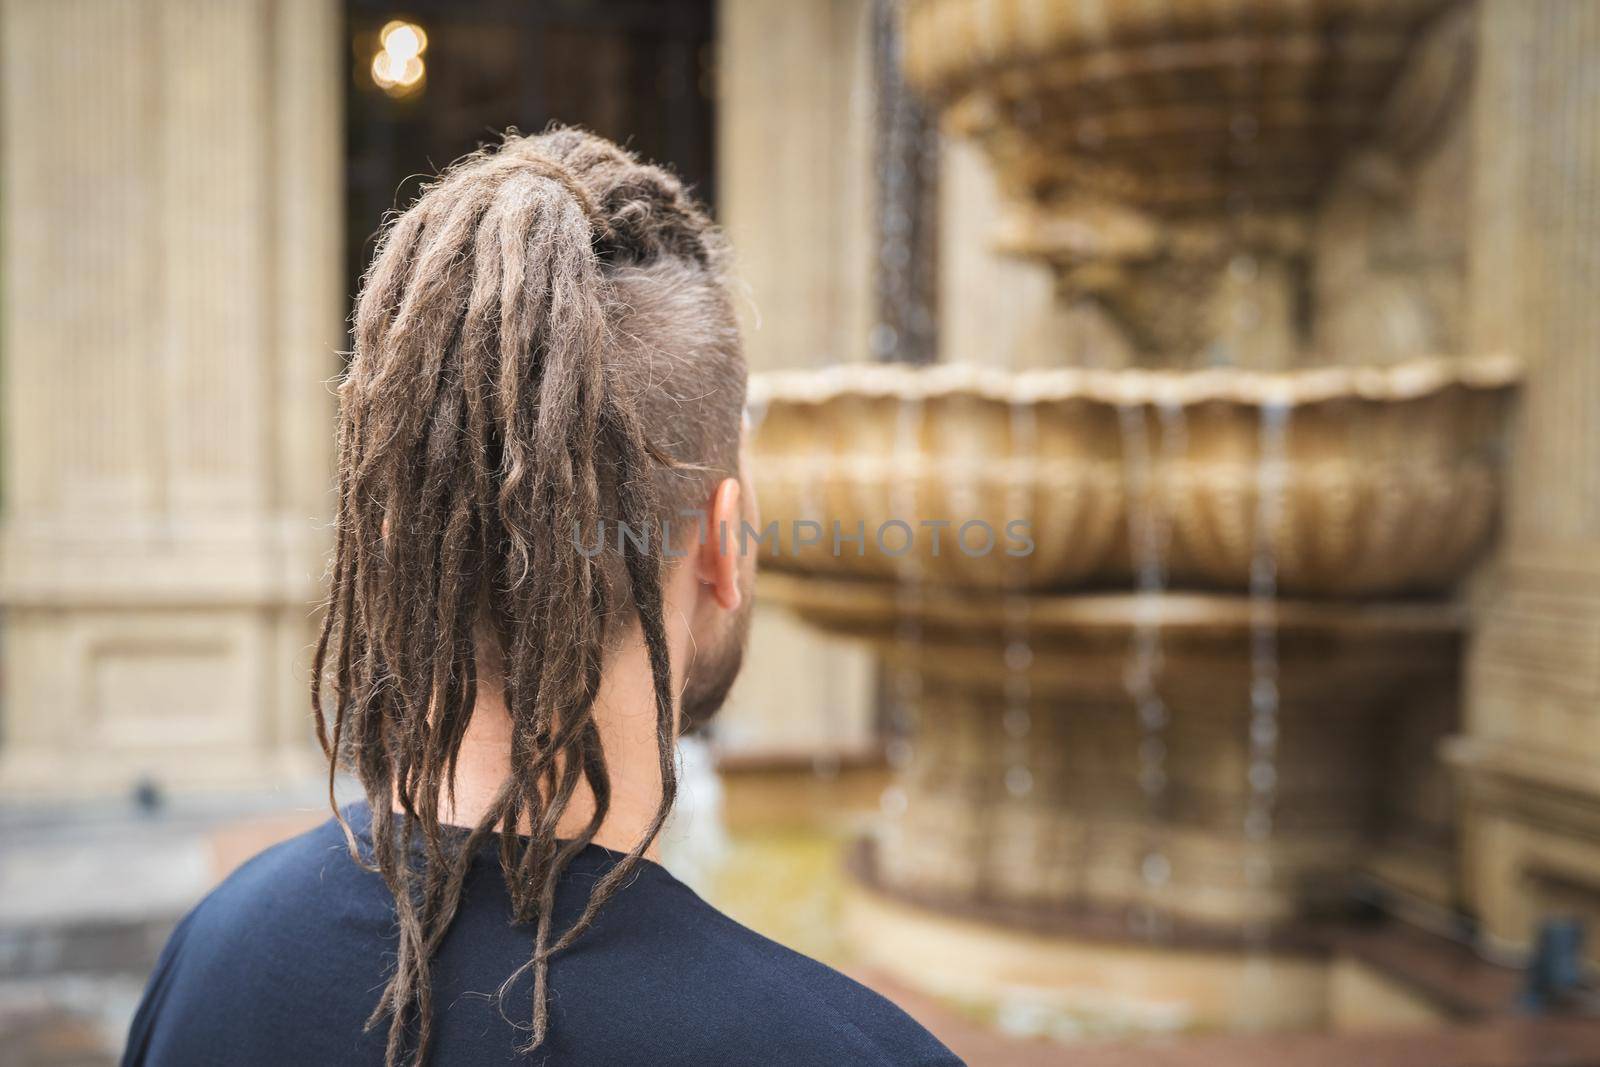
[[283, 963]]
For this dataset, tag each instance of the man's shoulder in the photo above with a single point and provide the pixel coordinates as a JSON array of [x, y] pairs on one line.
[[825, 1006], [662, 976], [283, 937], [284, 880], [765, 996], [302, 912]]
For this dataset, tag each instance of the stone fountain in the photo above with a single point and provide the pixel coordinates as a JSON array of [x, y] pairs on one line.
[[1149, 631], [1166, 157]]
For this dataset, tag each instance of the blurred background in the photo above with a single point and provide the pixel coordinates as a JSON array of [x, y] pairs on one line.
[[1273, 319]]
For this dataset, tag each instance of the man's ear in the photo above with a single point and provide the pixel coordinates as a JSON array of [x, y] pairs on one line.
[[717, 559]]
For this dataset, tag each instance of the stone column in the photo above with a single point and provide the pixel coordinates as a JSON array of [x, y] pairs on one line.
[[794, 175], [172, 308], [794, 180], [1530, 759]]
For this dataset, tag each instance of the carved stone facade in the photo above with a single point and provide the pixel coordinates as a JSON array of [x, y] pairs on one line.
[[172, 312], [1530, 758]]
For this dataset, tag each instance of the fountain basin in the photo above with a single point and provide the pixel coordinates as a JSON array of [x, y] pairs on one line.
[[1389, 478], [1076, 841]]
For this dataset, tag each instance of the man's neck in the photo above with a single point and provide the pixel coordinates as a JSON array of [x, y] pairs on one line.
[[624, 711]]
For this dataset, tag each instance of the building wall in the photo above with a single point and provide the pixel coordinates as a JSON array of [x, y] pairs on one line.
[[794, 107], [170, 188], [1530, 759]]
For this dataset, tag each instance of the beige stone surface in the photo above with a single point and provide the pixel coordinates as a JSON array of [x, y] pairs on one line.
[[996, 308], [1166, 159], [1389, 247], [795, 119], [173, 305], [1102, 987], [1390, 477], [803, 699], [1532, 750], [1362, 999], [1047, 815], [795, 105], [1528, 852]]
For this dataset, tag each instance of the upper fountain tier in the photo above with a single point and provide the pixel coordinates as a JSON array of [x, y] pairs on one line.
[[1385, 480], [1178, 106], [1165, 157]]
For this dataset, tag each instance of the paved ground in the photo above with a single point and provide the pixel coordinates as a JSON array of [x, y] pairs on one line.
[[88, 894]]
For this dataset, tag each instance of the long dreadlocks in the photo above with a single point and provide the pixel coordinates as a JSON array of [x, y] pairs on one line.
[[542, 343]]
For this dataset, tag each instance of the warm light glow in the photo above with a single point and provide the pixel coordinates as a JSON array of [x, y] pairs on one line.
[[397, 67], [403, 40], [389, 72]]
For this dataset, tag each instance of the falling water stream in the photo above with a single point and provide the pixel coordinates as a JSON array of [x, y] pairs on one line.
[[1262, 762], [905, 681], [906, 165], [1149, 532], [1270, 477], [1016, 719]]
